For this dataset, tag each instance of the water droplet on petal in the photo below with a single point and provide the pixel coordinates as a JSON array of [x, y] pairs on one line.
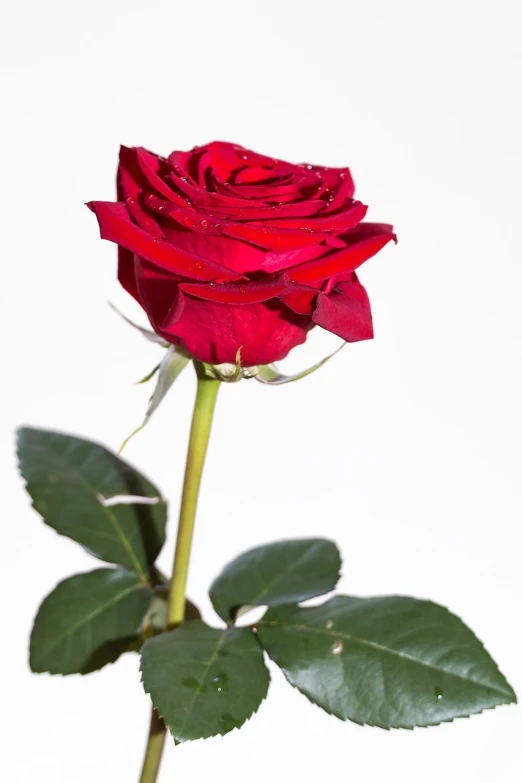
[[242, 289], [129, 200], [245, 157], [183, 179], [204, 224], [337, 648], [329, 624], [217, 227], [200, 265], [309, 166], [342, 175]]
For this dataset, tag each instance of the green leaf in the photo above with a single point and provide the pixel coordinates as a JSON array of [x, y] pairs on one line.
[[270, 373], [204, 681], [169, 369], [278, 573], [391, 661], [82, 490], [87, 621]]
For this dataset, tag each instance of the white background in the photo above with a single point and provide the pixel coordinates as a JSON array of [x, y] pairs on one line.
[[405, 449]]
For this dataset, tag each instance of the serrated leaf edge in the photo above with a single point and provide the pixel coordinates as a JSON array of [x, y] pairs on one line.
[[217, 733], [107, 509], [511, 695]]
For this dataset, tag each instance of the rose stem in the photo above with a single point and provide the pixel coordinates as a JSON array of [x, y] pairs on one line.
[[199, 435]]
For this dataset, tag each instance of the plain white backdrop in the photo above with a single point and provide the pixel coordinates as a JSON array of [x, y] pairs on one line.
[[406, 449]]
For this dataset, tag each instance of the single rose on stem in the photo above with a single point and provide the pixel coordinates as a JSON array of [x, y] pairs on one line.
[[234, 256], [226, 249]]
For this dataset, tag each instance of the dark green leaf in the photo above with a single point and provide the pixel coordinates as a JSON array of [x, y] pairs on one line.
[[88, 620], [278, 573], [391, 661], [204, 681], [76, 486]]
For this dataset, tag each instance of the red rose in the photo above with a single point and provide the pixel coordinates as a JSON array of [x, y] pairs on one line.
[[227, 249]]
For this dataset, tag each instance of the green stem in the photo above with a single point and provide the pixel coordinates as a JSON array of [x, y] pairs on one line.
[[154, 749], [199, 435]]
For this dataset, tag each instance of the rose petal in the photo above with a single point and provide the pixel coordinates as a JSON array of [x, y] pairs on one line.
[[159, 295], [213, 332], [345, 312], [301, 301], [126, 275], [340, 191], [236, 293], [342, 221], [116, 226], [249, 211], [272, 239], [366, 240], [254, 174], [143, 167]]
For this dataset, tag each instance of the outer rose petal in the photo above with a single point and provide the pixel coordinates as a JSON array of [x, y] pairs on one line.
[[345, 312], [158, 294], [365, 241], [116, 226], [126, 274], [213, 332]]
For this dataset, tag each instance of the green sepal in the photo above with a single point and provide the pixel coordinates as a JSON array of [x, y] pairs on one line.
[[270, 373], [171, 366]]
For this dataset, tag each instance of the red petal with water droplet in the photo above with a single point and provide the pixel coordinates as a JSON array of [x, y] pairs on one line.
[[116, 226], [238, 293], [342, 221], [272, 239], [143, 167], [364, 243]]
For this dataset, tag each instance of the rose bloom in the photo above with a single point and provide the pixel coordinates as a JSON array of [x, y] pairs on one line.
[[226, 249]]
